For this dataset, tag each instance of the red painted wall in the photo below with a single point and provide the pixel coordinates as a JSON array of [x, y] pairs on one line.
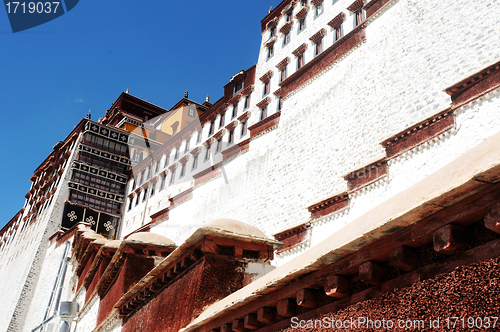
[[209, 280], [133, 269]]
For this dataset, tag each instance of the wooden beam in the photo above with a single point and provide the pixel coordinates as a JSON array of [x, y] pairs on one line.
[[251, 322], [178, 269], [195, 255], [266, 315], [371, 273], [209, 247], [337, 286], [286, 307], [170, 274], [238, 252], [306, 298], [226, 327], [403, 258], [451, 239], [492, 218], [186, 262], [238, 325]]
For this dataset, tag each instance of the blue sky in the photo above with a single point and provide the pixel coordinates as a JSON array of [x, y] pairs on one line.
[[51, 75]]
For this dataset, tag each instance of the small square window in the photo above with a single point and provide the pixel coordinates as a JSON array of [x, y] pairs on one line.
[[191, 111], [238, 86], [270, 51], [318, 47], [267, 88], [283, 74], [318, 10], [221, 120], [302, 24], [183, 170], [247, 102], [263, 113], [286, 38], [211, 130], [207, 153], [243, 128], [300, 61], [219, 145], [195, 162], [358, 17], [337, 33]]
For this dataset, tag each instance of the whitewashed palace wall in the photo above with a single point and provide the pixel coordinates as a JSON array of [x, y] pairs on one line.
[[336, 122]]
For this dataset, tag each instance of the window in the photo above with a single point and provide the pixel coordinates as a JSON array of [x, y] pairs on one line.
[[266, 89], [247, 102], [172, 178], [195, 162], [303, 2], [133, 185], [318, 9], [211, 130], [234, 112], [279, 104], [231, 136], [207, 153], [270, 51], [176, 154], [283, 74], [198, 138], [187, 146], [358, 17], [153, 189], [302, 24], [145, 194], [157, 167], [191, 111], [272, 31], [318, 47], [300, 60], [221, 120], [286, 38], [162, 183], [166, 160], [183, 170], [137, 200], [219, 145], [288, 16], [263, 113], [238, 86], [337, 33]]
